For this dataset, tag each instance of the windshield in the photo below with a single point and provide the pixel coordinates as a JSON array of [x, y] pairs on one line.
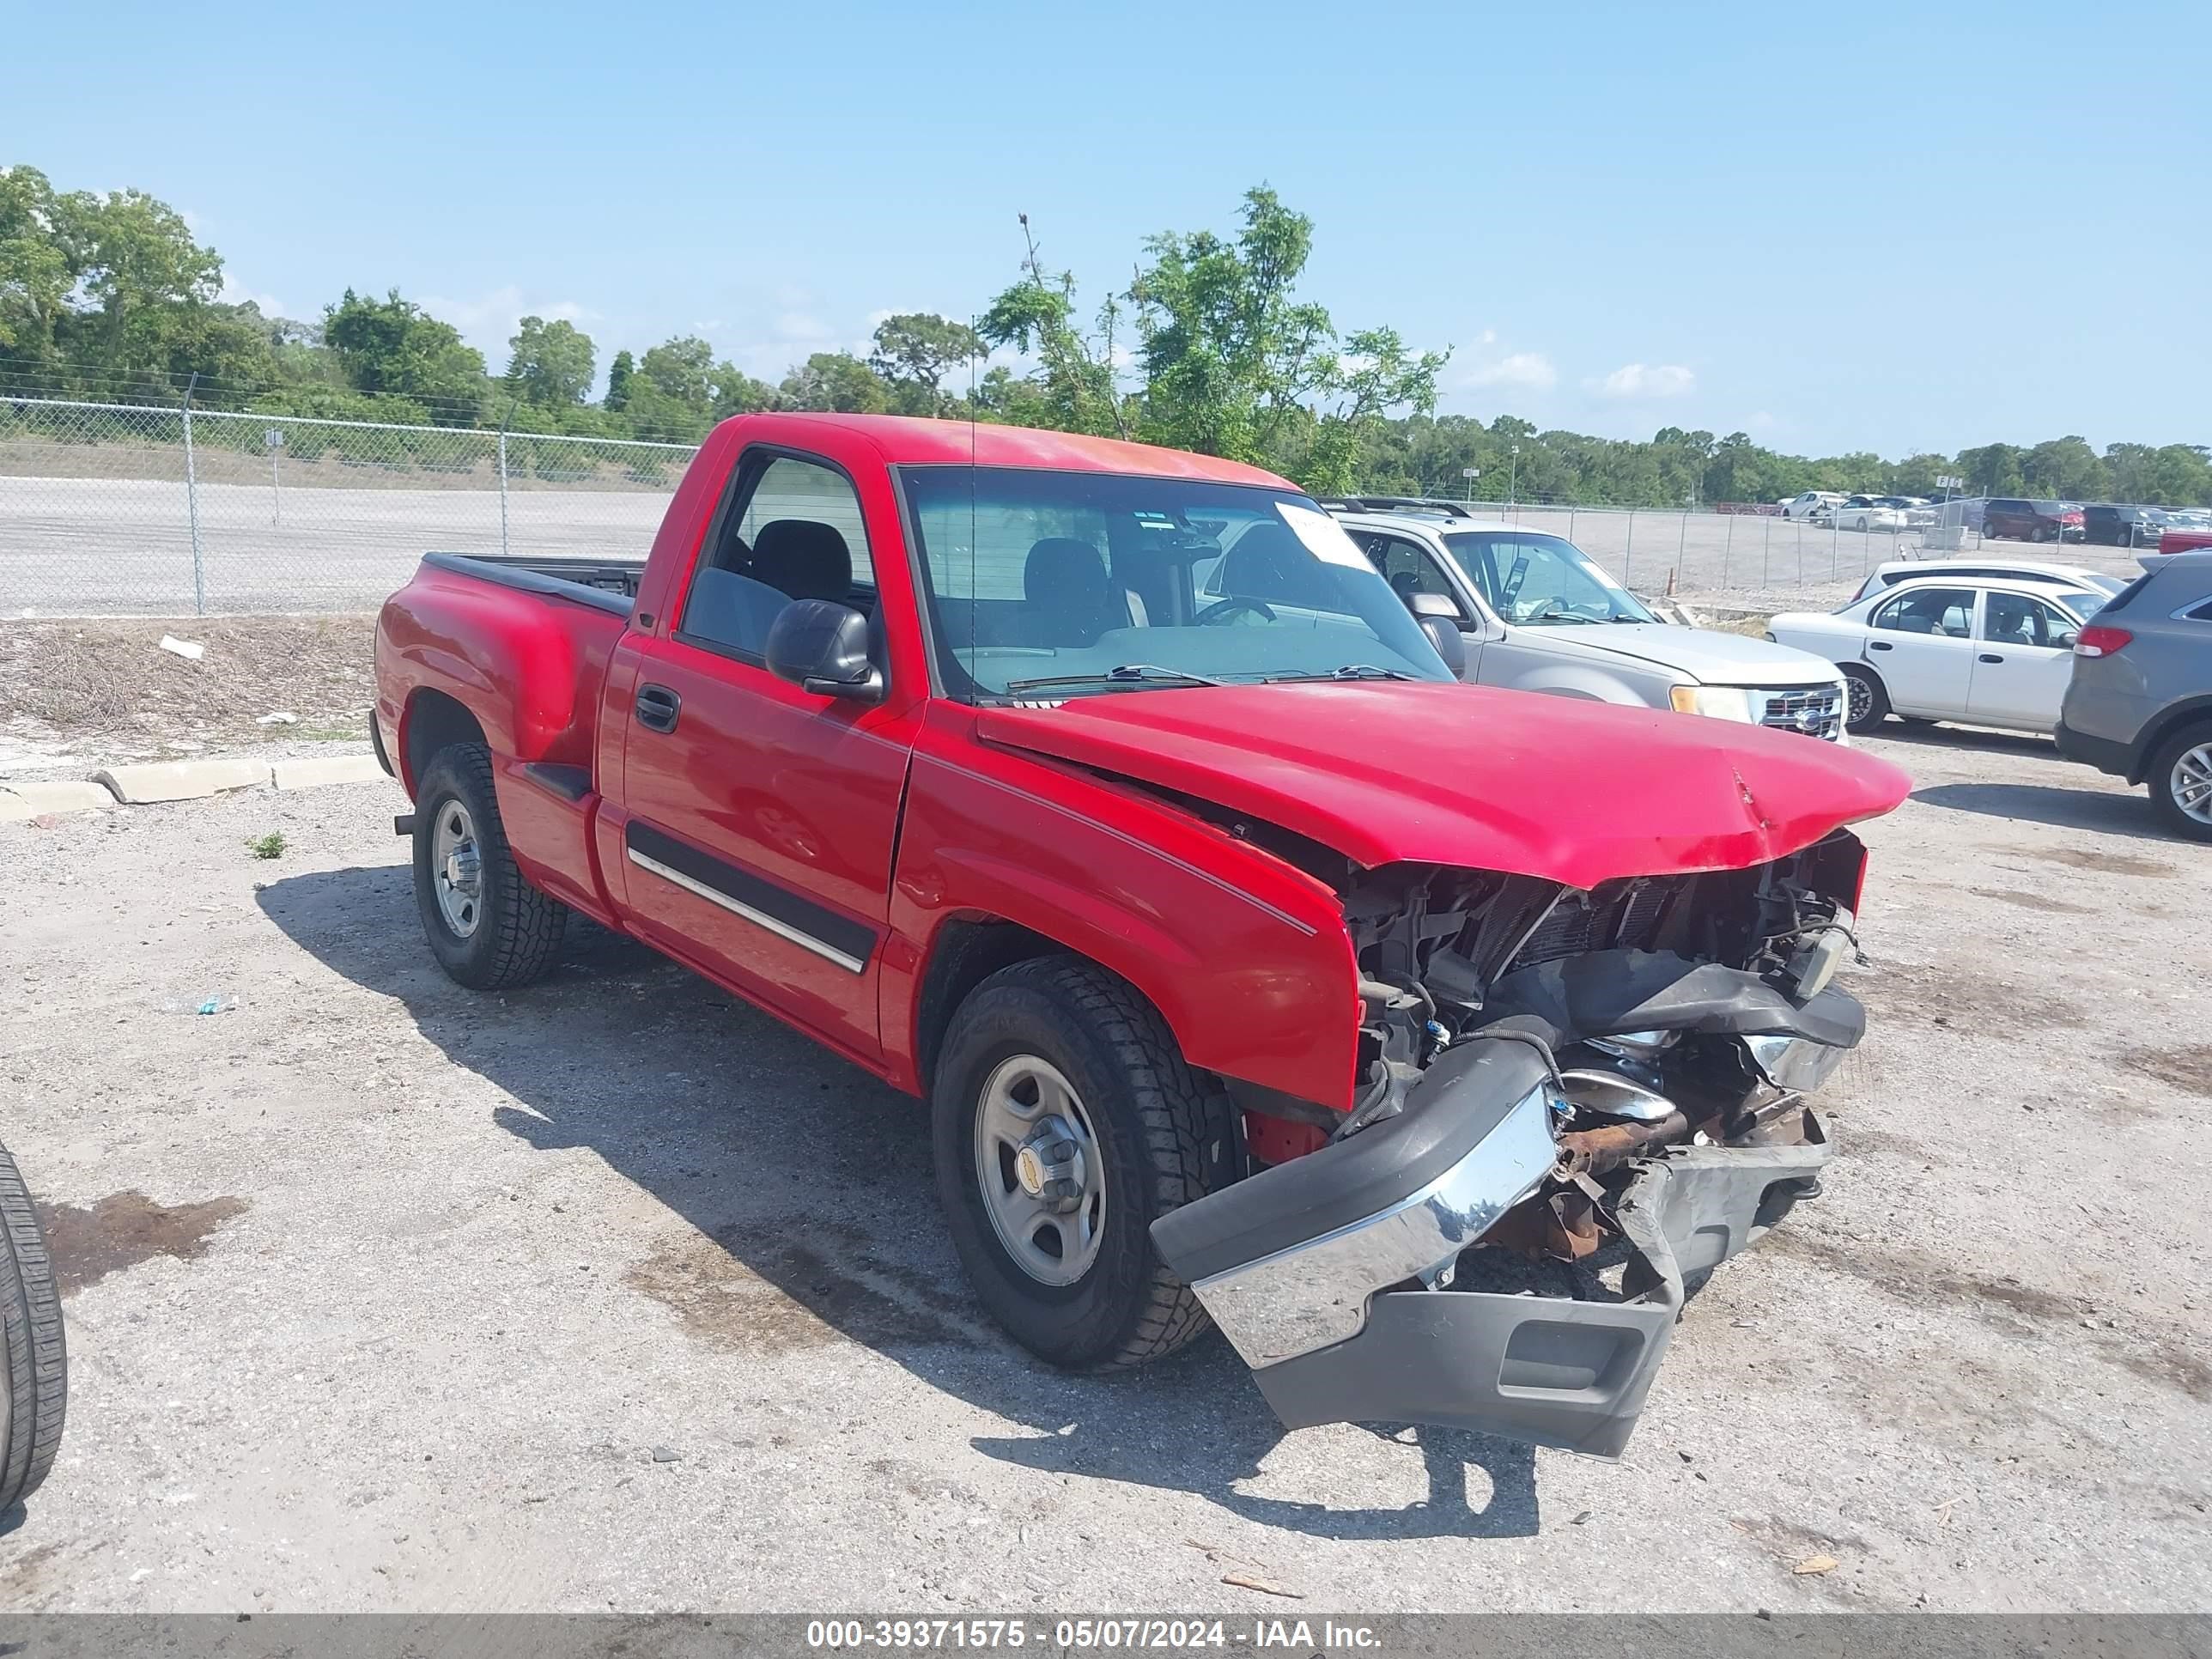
[[2083, 602], [1533, 578], [1053, 585]]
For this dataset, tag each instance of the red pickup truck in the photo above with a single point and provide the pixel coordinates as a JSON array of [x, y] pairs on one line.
[[1256, 971]]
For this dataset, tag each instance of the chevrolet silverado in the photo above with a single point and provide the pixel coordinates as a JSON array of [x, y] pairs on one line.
[[1257, 973]]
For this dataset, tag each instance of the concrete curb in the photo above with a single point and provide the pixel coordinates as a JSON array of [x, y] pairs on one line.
[[29, 798], [164, 781], [313, 770], [155, 781]]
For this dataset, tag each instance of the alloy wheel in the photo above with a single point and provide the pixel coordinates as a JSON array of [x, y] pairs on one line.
[[2190, 782]]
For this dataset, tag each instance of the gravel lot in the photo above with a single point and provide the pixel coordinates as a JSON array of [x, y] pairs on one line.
[[613, 1293]]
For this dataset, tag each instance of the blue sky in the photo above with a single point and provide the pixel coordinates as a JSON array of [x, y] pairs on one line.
[[1881, 227]]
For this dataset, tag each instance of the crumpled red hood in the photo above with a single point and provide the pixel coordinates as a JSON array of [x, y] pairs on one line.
[[1385, 771]]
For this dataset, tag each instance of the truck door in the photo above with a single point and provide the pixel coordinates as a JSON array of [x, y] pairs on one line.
[[761, 818]]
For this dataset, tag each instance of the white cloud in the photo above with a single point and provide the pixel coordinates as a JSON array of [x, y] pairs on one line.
[[488, 322], [1531, 371], [236, 294], [1647, 380]]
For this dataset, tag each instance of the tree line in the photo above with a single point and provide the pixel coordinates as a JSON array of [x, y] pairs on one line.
[[111, 297]]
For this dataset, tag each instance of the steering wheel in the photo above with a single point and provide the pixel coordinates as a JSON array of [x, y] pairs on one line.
[[1221, 612]]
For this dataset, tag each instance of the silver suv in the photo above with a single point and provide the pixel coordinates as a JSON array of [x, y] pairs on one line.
[[2140, 703], [1538, 614]]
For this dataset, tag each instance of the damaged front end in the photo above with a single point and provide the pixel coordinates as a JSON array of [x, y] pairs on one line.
[[1546, 1072]]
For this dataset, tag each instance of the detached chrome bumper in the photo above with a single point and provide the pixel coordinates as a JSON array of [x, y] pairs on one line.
[[1328, 1274]]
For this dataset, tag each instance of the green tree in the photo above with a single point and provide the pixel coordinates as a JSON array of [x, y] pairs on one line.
[[835, 381], [393, 346], [618, 373], [1992, 470], [35, 276], [1376, 375], [550, 365], [1073, 384], [736, 393], [1229, 354], [915, 351], [2066, 468], [134, 259]]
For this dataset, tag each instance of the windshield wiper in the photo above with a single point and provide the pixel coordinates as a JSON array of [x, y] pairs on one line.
[[1128, 673], [1351, 670]]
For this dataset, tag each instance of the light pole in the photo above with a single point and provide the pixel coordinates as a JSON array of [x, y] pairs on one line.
[[1513, 483], [1470, 473]]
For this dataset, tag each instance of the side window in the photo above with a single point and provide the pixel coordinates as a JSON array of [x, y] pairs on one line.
[[794, 532], [1409, 568], [1947, 612], [2016, 619]]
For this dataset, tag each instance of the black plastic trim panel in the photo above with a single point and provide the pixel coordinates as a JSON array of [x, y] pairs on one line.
[[800, 915]]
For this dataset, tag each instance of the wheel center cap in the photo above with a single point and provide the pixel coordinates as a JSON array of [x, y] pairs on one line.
[[1028, 1169]]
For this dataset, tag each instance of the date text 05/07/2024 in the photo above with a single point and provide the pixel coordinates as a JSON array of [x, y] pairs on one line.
[[1093, 1635]]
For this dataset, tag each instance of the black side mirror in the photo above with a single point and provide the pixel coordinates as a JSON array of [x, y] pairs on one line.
[[821, 646], [1439, 619]]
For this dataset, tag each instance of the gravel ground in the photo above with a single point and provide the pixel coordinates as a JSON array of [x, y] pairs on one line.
[[611, 1293]]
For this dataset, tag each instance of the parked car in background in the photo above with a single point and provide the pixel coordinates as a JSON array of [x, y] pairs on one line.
[[2179, 537], [1890, 572], [1868, 513], [1989, 651], [2011, 519], [1812, 504], [1538, 614], [2140, 706], [2107, 526]]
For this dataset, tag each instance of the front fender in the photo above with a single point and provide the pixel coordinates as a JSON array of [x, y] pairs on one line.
[[1245, 956]]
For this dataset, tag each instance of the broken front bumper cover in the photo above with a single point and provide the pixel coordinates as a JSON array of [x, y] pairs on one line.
[[1327, 1273]]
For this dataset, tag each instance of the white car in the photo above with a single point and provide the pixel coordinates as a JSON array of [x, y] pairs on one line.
[[1537, 614], [1890, 572], [1813, 504], [1986, 651], [1868, 513]]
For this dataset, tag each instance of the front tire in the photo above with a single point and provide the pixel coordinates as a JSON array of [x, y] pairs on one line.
[[1064, 1122], [488, 927], [2181, 782], [1866, 700], [33, 1358]]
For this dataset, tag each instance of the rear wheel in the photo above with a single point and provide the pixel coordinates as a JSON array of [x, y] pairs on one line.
[[2181, 782], [488, 927], [1064, 1122], [1866, 700], [33, 1361]]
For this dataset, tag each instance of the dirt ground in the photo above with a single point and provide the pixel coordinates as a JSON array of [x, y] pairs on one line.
[[612, 1292]]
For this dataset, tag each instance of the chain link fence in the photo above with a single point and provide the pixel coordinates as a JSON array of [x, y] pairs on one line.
[[117, 509]]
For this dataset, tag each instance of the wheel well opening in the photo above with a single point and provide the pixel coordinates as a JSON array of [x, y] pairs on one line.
[[2169, 727], [435, 722], [968, 950]]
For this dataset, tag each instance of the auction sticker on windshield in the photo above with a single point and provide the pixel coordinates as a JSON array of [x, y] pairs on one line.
[[1323, 536]]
